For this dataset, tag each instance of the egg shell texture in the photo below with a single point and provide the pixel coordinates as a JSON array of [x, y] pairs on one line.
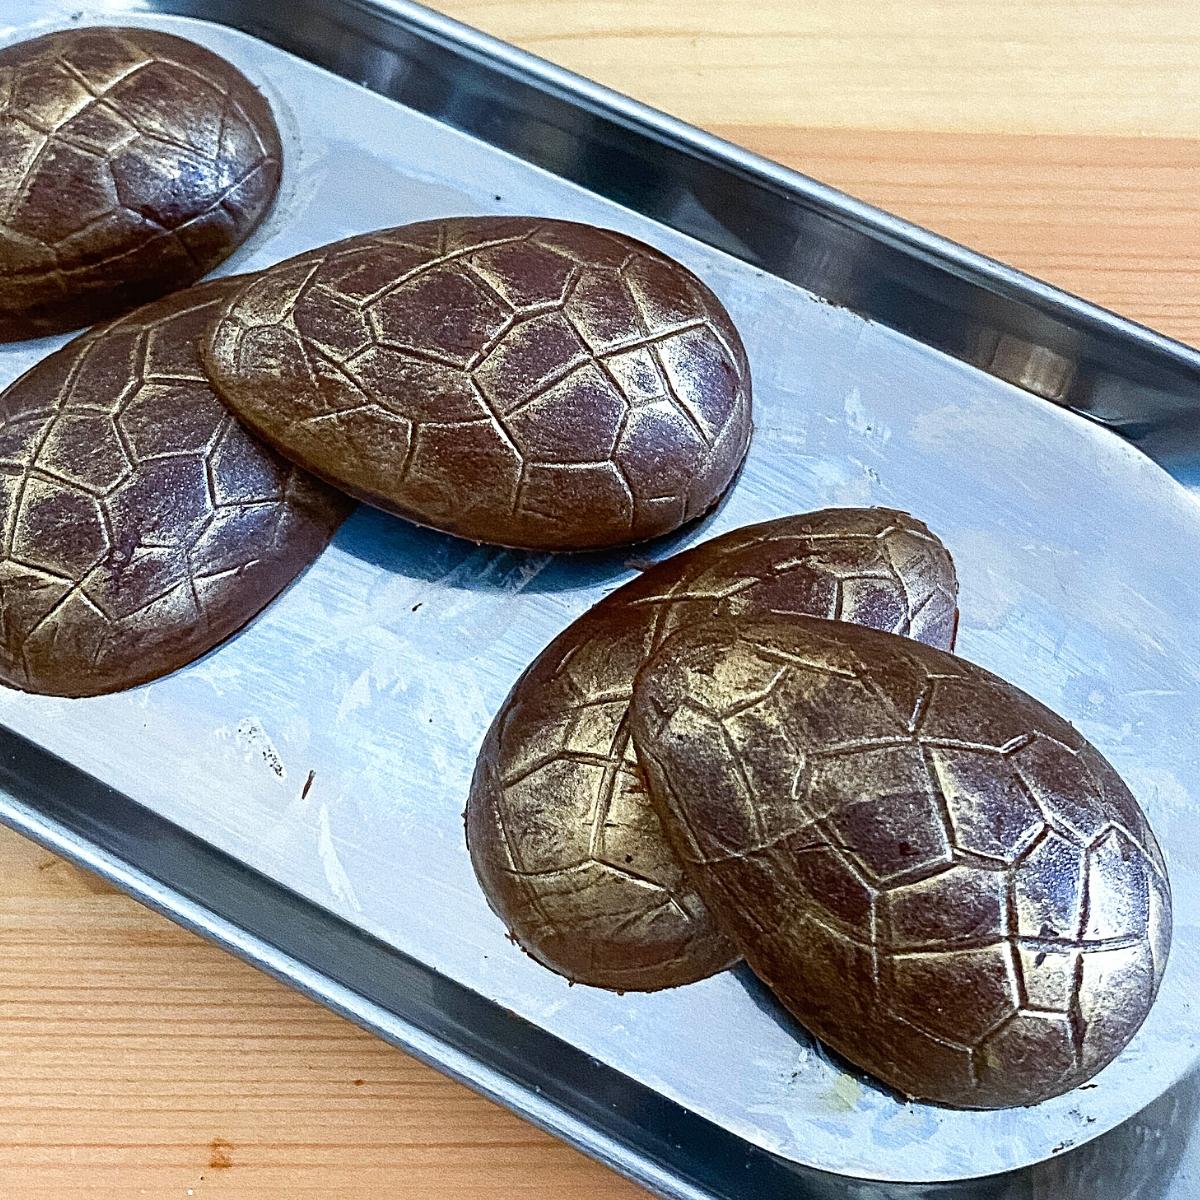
[[565, 841], [936, 874], [513, 380], [131, 163], [140, 523]]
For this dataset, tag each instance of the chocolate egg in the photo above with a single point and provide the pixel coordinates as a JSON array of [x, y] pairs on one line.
[[131, 162], [563, 837], [141, 524], [934, 873], [513, 380]]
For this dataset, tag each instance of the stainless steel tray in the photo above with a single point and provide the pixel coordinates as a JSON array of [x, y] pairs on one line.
[[890, 366]]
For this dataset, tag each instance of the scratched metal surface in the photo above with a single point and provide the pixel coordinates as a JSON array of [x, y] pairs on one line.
[[377, 673]]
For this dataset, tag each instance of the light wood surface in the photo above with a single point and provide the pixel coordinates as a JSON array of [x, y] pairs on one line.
[[1022, 66], [136, 1060]]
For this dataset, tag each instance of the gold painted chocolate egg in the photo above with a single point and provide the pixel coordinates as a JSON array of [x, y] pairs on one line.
[[563, 838], [514, 380], [141, 525], [934, 873], [131, 163]]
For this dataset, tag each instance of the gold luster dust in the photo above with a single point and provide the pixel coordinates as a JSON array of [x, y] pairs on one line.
[[938, 876], [563, 837], [518, 381], [134, 161], [141, 524]]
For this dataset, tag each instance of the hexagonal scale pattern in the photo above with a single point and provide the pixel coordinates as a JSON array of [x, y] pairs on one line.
[[513, 380], [131, 162], [141, 524], [562, 834], [978, 922]]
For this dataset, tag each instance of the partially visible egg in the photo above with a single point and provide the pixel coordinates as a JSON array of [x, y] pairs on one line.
[[131, 163], [564, 839]]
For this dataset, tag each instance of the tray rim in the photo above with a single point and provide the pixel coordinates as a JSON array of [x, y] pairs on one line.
[[65, 831], [950, 254], [1117, 372]]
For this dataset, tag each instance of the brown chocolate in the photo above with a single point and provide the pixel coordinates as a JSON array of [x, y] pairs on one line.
[[513, 380], [937, 875], [141, 524], [131, 162], [564, 839]]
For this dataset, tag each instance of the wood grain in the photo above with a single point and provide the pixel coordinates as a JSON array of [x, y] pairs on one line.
[[1110, 218], [1023, 66], [136, 1060]]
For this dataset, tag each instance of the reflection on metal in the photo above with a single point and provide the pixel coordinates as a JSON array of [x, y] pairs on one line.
[[842, 249], [1032, 368]]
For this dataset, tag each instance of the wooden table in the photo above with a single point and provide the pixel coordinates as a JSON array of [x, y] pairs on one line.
[[1059, 135]]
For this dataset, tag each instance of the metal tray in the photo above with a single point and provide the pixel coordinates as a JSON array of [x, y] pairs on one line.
[[890, 367]]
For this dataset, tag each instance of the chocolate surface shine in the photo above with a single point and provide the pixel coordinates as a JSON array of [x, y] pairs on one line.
[[141, 524], [131, 163], [563, 837], [936, 874], [513, 380]]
